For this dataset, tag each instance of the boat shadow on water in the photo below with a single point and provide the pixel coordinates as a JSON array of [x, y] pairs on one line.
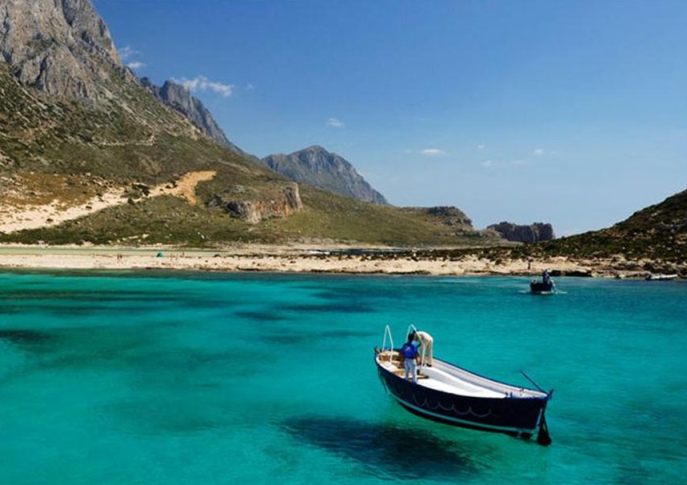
[[385, 450]]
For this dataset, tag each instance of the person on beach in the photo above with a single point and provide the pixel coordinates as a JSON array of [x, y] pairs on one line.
[[409, 352], [426, 345]]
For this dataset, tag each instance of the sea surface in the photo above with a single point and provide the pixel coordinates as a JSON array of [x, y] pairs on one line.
[[197, 378]]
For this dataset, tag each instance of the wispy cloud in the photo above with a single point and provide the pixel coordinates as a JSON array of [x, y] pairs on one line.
[[135, 65], [335, 123], [432, 152], [538, 152], [250, 87], [202, 83], [481, 147], [127, 52], [500, 163]]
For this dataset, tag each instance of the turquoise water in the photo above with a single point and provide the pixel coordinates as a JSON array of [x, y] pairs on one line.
[[207, 378]]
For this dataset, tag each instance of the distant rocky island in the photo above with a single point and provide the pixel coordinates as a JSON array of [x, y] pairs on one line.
[[529, 233], [325, 170]]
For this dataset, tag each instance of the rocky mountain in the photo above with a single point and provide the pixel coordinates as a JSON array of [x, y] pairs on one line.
[[61, 47], [658, 232], [328, 171], [531, 233], [180, 98]]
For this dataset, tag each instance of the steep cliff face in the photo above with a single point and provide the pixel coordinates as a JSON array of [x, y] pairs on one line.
[[532, 233], [181, 99], [318, 167], [61, 47]]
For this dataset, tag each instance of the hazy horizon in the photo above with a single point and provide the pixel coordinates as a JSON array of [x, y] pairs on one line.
[[571, 113]]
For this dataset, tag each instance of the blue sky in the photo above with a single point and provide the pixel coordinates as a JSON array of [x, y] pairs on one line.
[[570, 112]]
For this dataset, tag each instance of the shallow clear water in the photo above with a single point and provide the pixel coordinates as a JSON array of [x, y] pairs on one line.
[[206, 378]]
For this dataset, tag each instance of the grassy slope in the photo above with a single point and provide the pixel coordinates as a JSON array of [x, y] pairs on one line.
[[136, 139]]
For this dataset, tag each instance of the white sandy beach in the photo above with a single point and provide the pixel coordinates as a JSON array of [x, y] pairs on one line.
[[307, 259]]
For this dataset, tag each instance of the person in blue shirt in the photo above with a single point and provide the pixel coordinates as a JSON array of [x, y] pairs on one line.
[[409, 352]]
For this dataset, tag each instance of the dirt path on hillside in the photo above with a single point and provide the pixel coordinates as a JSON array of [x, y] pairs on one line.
[[14, 218], [186, 185]]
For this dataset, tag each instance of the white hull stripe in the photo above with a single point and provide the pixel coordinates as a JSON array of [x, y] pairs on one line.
[[462, 421]]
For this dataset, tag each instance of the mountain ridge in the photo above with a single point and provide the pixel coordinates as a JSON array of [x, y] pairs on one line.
[[180, 98], [326, 170]]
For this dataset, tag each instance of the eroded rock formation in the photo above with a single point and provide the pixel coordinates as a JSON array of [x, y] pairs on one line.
[[245, 204], [532, 233]]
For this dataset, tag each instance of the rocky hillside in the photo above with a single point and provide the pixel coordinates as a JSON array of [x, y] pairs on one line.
[[328, 171], [653, 240], [60, 47], [181, 99], [658, 232], [531, 233]]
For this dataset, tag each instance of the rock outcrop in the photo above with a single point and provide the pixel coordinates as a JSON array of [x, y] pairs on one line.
[[180, 98], [61, 47], [242, 203], [532, 233], [449, 216], [328, 171]]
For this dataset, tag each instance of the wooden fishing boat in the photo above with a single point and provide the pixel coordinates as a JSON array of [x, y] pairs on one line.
[[541, 288], [452, 395]]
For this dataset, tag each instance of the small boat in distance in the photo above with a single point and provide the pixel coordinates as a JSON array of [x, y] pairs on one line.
[[452, 395], [661, 277], [540, 288], [544, 287]]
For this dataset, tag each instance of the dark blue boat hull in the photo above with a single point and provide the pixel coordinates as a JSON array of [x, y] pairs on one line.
[[514, 416], [541, 288]]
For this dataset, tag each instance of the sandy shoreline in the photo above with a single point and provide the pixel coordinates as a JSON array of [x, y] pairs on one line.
[[301, 259]]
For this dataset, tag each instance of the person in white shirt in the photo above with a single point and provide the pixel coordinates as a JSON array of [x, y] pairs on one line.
[[426, 344]]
